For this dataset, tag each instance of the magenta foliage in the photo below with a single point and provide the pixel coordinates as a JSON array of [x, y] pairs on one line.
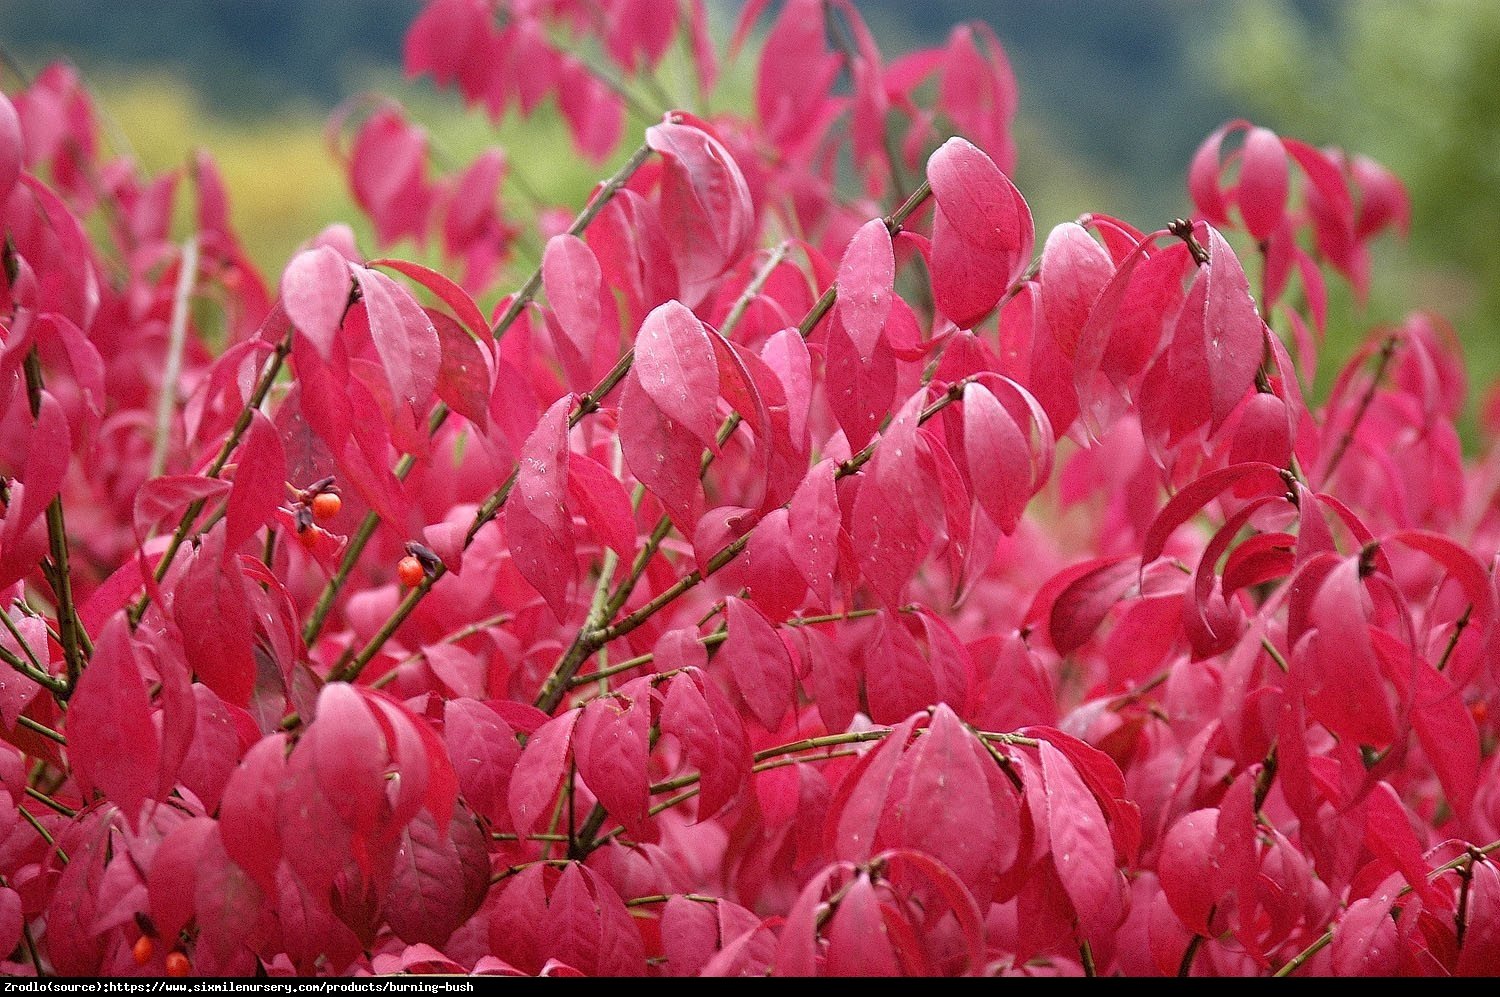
[[785, 578]]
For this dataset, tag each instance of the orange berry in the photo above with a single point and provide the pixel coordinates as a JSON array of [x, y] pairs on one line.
[[178, 965], [326, 505], [410, 571], [143, 950], [1480, 711]]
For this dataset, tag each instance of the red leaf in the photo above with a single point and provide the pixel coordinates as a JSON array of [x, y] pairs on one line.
[[855, 811], [214, 750], [998, 458], [866, 274], [1234, 335], [445, 289], [163, 497], [887, 522], [315, 292], [439, 879], [11, 150], [858, 942], [1080, 844], [112, 743], [601, 500], [259, 483], [977, 231], [1189, 869], [713, 738], [675, 364], [758, 663], [957, 807], [1187, 502], [610, 744], [484, 751], [211, 610], [1075, 269], [404, 338], [1263, 182], [537, 524], [539, 773], [173, 878], [1342, 678], [1389, 835], [1088, 598], [48, 446], [705, 204], [813, 519], [247, 814], [465, 375], [661, 457], [694, 932], [571, 276]]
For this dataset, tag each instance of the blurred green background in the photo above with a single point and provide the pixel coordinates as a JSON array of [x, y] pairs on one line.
[[1115, 96]]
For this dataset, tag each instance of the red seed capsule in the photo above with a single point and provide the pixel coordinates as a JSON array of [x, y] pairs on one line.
[[143, 950], [326, 505], [178, 965], [410, 572]]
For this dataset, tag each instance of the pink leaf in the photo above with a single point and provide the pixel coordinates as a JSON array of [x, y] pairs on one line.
[[866, 273], [247, 815], [259, 482], [1187, 502], [601, 500], [1263, 182], [315, 292], [705, 203], [997, 456], [813, 519], [170, 496], [758, 663], [47, 449], [464, 374], [713, 738], [660, 455], [439, 879], [11, 150], [1081, 848], [484, 752], [445, 289], [1189, 870], [404, 337], [674, 361], [537, 523], [1075, 269], [977, 232], [539, 773], [571, 276], [113, 745], [610, 744]]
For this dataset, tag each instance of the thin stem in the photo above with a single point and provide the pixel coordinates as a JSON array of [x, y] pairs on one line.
[[1466, 860], [1458, 631], [1387, 350], [187, 273], [42, 729], [734, 549], [74, 639], [1185, 967], [1461, 917], [257, 397], [596, 204], [45, 800], [35, 670]]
